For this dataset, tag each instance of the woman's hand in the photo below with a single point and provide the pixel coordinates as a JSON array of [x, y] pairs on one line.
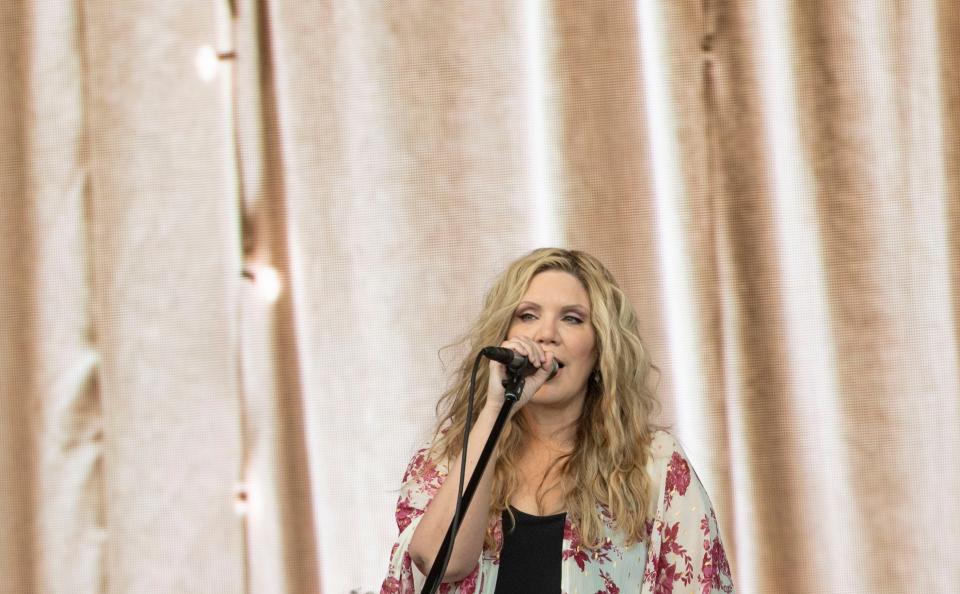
[[542, 360]]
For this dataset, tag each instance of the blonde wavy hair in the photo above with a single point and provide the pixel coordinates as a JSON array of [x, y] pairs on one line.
[[604, 473]]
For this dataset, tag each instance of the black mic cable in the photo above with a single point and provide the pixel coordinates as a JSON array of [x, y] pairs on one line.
[[458, 510], [515, 363]]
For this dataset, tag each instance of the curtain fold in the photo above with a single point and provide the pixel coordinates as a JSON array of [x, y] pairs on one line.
[[166, 276], [280, 521], [18, 455], [52, 449], [402, 185]]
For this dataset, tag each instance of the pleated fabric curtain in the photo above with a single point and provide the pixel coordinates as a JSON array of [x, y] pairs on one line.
[[119, 340], [238, 237]]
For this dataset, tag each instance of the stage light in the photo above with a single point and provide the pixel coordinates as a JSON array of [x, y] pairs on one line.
[[266, 280], [207, 63]]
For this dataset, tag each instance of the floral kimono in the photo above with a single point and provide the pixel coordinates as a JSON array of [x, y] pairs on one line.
[[684, 555]]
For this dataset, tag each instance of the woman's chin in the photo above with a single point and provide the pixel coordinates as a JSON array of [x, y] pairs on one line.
[[555, 396]]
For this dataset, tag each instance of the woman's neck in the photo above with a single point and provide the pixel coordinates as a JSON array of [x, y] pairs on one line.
[[554, 429], [550, 438]]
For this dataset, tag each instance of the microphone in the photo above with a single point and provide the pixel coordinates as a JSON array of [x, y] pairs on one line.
[[515, 362]]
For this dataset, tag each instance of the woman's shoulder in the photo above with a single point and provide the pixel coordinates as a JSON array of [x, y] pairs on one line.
[[663, 446], [425, 460]]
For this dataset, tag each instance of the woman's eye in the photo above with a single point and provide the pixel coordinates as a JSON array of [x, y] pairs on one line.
[[573, 319], [526, 317]]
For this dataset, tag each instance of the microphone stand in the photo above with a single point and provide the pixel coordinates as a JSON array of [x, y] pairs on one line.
[[513, 384]]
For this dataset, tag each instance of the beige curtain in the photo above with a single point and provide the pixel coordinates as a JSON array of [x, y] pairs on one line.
[[234, 236]]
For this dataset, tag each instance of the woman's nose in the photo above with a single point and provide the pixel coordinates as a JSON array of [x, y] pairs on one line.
[[546, 331]]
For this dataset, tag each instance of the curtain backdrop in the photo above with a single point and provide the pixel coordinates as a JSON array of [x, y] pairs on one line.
[[236, 237]]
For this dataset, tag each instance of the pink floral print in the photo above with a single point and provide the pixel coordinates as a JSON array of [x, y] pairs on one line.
[[684, 551], [678, 477]]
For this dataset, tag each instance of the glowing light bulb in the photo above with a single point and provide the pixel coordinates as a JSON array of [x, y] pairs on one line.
[[266, 281], [207, 63]]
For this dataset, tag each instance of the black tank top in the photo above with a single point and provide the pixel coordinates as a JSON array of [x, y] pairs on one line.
[[530, 558]]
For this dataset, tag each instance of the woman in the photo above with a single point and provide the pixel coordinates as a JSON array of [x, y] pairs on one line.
[[583, 493]]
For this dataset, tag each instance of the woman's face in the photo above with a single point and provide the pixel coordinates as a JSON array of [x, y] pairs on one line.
[[555, 312]]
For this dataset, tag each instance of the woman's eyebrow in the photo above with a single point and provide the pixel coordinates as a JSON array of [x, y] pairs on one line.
[[573, 307]]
